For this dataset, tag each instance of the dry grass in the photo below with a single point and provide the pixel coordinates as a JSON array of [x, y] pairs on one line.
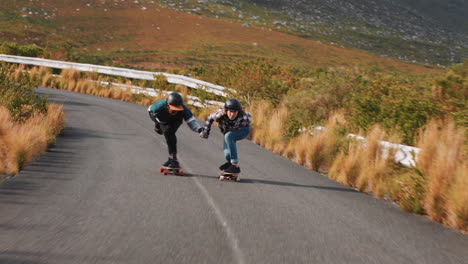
[[318, 149], [363, 165], [297, 149], [39, 74], [268, 127], [375, 168], [442, 161], [20, 143], [183, 90], [346, 167], [440, 189], [75, 81]]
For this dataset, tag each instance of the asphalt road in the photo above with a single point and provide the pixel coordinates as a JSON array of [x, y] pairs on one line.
[[97, 197]]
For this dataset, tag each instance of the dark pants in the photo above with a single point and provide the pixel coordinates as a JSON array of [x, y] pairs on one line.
[[169, 130]]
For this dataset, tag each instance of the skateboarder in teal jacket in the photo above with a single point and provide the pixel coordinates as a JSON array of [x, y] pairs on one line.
[[168, 115]]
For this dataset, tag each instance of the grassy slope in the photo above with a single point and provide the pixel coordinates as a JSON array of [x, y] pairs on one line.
[[159, 38]]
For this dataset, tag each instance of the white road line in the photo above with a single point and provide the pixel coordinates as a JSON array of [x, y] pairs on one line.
[[229, 233], [232, 239]]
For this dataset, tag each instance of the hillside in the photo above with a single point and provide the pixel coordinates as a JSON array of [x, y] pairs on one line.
[[429, 31], [146, 35]]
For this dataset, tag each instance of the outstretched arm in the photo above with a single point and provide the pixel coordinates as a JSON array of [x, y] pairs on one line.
[[191, 120], [209, 121], [211, 118], [193, 124]]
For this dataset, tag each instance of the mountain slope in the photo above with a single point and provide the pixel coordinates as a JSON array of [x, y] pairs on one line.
[[143, 34], [432, 31]]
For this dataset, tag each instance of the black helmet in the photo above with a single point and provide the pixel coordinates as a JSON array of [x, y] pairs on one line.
[[232, 105], [174, 99]]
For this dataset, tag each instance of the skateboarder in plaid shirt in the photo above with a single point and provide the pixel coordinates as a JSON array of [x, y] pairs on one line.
[[234, 123], [167, 116]]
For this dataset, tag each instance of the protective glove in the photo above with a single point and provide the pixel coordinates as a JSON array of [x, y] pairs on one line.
[[157, 128], [204, 134]]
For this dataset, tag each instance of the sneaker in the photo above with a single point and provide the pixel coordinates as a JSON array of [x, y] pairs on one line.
[[225, 166], [166, 164], [232, 169], [174, 164]]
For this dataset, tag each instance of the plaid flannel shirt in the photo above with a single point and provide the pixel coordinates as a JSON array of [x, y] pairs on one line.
[[243, 119]]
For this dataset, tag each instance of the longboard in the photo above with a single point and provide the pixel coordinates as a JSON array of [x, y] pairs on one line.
[[168, 170], [223, 176]]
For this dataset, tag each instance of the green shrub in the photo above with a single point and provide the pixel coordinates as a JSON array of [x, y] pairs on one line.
[[393, 103], [409, 190], [9, 48], [160, 83], [450, 93], [252, 80], [30, 51], [319, 94], [12, 48], [18, 96]]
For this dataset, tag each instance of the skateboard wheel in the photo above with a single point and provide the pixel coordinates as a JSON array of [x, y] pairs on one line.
[[161, 169], [181, 173], [165, 172]]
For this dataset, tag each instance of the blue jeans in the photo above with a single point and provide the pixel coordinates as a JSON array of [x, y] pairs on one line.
[[230, 147]]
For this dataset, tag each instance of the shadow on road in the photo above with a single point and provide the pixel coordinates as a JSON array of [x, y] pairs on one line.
[[278, 183], [25, 257]]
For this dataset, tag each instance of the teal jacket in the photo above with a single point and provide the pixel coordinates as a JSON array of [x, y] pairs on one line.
[[160, 113]]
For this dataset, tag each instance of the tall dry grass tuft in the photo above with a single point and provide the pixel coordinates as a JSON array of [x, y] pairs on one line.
[[123, 94], [82, 86], [70, 75], [260, 119], [70, 79], [346, 167], [277, 126], [146, 101], [183, 90], [325, 144], [20, 143], [363, 165], [268, 127], [298, 149], [55, 121], [6, 127], [457, 207], [38, 73], [318, 148], [17, 72], [442, 161], [46, 80], [375, 168]]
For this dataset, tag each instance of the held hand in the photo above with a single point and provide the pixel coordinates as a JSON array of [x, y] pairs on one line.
[[204, 134]]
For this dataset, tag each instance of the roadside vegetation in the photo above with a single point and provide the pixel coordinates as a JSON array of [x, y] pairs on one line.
[[28, 123], [288, 104], [12, 48], [428, 113]]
